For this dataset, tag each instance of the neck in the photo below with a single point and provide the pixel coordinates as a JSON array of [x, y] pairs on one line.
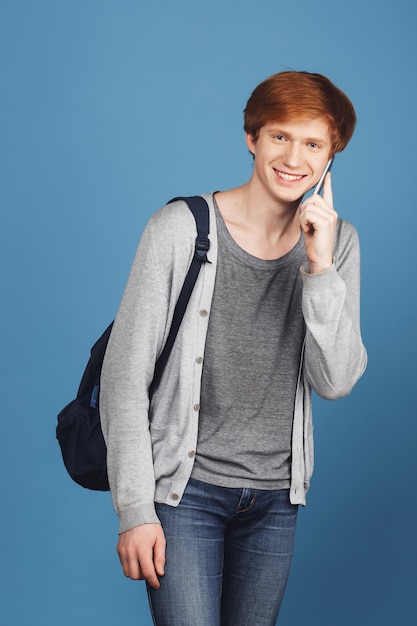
[[261, 226], [260, 212], [266, 211]]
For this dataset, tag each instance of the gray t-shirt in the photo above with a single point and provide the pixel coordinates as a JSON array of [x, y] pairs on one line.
[[251, 364]]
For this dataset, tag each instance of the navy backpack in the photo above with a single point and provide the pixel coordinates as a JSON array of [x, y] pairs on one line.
[[79, 431]]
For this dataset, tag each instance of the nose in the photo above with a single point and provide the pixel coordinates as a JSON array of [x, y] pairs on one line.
[[293, 155]]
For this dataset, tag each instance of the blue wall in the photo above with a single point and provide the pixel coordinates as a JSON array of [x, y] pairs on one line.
[[108, 109]]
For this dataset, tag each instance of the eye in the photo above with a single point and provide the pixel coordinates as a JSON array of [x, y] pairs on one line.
[[314, 145], [279, 137]]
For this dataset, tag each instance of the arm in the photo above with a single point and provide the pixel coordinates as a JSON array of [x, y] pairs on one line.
[[137, 338], [141, 545], [126, 375], [335, 357]]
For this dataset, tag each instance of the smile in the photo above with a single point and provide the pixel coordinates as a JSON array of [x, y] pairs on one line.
[[288, 177]]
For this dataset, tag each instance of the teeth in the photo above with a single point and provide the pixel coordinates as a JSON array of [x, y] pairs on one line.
[[288, 177]]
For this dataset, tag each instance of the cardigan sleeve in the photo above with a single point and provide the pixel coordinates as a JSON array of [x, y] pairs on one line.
[[335, 357], [137, 337]]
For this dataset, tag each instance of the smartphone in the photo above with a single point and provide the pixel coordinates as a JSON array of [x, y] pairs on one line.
[[319, 185]]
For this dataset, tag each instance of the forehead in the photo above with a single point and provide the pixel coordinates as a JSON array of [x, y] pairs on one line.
[[303, 128]]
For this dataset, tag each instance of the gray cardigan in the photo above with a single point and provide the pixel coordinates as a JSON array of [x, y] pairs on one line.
[[151, 446]]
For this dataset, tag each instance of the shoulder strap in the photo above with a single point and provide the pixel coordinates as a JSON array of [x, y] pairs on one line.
[[199, 208]]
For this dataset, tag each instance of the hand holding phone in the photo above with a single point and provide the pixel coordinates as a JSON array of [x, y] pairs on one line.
[[318, 222]]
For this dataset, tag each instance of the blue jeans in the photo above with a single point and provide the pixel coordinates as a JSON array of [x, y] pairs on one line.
[[228, 556]]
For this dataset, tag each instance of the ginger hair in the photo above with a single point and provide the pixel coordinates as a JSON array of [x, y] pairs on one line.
[[293, 95]]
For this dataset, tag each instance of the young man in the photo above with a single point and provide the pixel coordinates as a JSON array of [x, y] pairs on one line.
[[207, 477]]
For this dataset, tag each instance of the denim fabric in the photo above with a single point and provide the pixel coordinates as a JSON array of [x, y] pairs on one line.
[[228, 554]]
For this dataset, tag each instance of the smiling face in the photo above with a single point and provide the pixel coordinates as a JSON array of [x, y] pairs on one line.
[[290, 157]]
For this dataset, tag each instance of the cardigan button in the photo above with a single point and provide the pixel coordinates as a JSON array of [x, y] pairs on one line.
[[203, 313]]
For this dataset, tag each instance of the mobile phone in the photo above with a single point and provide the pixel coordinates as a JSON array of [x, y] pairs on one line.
[[319, 185]]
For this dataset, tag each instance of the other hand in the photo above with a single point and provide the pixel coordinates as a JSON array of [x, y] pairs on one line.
[[141, 552]]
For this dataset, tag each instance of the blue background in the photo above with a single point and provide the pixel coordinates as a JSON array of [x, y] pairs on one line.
[[108, 109]]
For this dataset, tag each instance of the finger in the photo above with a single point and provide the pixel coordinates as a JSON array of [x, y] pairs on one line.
[[143, 570], [159, 555], [129, 559], [148, 571], [309, 211], [132, 570], [129, 563], [308, 220]]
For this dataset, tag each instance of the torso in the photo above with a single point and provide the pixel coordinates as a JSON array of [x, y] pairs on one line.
[[251, 364]]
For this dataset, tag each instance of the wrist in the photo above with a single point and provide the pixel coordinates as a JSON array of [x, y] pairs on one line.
[[319, 268]]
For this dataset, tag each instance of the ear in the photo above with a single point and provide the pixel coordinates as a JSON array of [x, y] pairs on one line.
[[250, 143]]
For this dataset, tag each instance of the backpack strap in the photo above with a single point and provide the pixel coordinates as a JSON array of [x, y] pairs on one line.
[[199, 208]]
